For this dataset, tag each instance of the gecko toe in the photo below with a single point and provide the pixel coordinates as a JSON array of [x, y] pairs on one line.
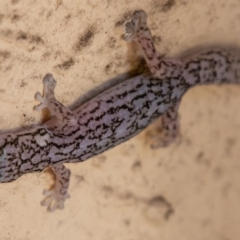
[[49, 81], [38, 97], [136, 23], [129, 30], [141, 17], [54, 200]]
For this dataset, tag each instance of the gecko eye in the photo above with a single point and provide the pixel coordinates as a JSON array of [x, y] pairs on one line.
[[1, 151]]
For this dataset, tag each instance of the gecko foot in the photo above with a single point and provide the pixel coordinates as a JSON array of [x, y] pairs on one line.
[[54, 200], [48, 93], [47, 100], [134, 25]]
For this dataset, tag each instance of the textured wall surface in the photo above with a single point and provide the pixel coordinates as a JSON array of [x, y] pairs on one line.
[[189, 190]]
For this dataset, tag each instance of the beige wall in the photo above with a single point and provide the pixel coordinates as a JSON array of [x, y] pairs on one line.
[[187, 191]]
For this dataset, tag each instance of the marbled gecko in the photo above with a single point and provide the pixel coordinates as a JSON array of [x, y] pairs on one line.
[[113, 116]]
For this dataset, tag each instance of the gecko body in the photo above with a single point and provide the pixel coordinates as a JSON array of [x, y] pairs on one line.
[[113, 116]]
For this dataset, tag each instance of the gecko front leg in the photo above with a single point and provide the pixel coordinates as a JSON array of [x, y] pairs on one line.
[[55, 197], [48, 100], [169, 129], [136, 29]]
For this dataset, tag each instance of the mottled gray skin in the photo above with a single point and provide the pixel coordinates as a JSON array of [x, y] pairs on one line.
[[114, 116]]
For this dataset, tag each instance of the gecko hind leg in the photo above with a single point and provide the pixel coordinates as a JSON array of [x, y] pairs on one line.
[[136, 29], [56, 197], [48, 100], [170, 128]]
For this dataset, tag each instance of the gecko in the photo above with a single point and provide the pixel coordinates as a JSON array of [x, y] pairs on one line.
[[113, 116]]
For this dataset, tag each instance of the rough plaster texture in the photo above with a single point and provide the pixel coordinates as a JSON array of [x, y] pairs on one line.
[[189, 190]]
